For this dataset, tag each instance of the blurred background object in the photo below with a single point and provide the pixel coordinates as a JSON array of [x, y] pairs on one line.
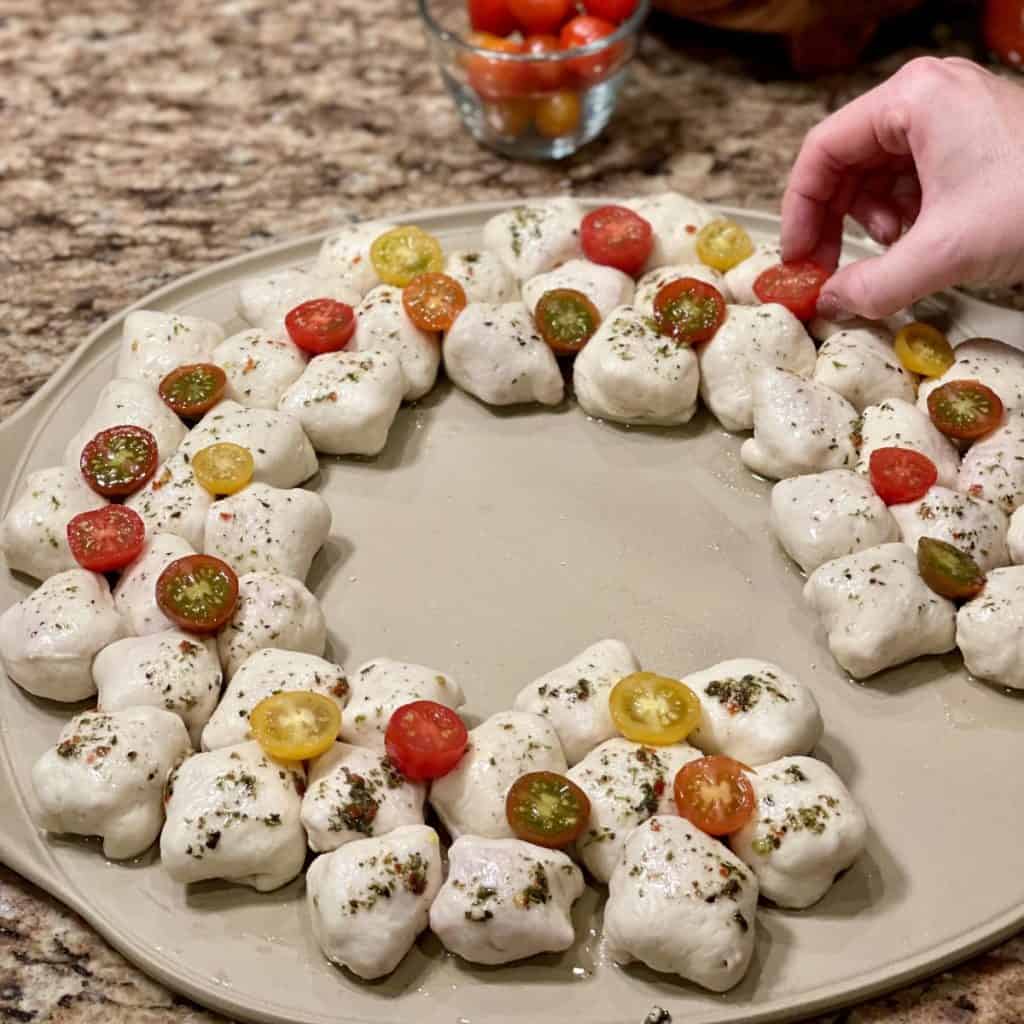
[[1003, 28], [821, 35]]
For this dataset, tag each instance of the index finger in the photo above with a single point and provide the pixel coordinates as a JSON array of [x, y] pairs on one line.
[[865, 134]]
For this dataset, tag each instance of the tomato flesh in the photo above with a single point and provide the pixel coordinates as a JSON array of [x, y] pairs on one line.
[[793, 285], [899, 475], [433, 301], [723, 244], [715, 794], [540, 16], [425, 740], [583, 30], [965, 409], [615, 236], [492, 16], [223, 468], [296, 725], [199, 593], [550, 74], [118, 461], [193, 390], [496, 79], [950, 572], [558, 114], [652, 709], [321, 325], [610, 10], [509, 118], [566, 320], [924, 350], [106, 539], [689, 311], [547, 809], [403, 253]]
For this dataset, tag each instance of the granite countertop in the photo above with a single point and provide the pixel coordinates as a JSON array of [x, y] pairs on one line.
[[139, 142]]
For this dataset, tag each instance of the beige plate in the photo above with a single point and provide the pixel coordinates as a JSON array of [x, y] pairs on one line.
[[495, 545]]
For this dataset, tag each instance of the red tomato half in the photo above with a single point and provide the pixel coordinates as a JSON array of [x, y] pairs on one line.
[[118, 461], [541, 16], [715, 794], [321, 325], [616, 237], [610, 10], [106, 539], [688, 310], [199, 593], [582, 31], [547, 75], [496, 79], [793, 285], [491, 16], [425, 739], [899, 475]]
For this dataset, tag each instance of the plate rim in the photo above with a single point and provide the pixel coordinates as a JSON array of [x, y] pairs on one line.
[[28, 855]]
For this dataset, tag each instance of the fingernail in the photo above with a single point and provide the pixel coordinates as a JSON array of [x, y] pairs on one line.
[[829, 308]]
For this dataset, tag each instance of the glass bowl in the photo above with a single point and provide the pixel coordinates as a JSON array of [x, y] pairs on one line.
[[531, 107]]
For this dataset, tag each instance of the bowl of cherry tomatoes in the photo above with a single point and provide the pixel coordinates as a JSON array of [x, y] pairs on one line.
[[534, 79]]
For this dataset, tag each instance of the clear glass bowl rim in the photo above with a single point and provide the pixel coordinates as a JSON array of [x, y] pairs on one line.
[[628, 28]]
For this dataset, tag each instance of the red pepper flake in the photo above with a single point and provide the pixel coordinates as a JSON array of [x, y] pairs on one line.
[[655, 825], [250, 365], [976, 491], [659, 787], [163, 480], [227, 516], [691, 229], [332, 396]]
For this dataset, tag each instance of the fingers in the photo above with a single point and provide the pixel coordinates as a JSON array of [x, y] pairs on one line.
[[879, 217], [925, 260]]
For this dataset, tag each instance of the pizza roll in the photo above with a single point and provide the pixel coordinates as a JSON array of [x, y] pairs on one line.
[[574, 696], [993, 467], [470, 799], [682, 903], [370, 899], [234, 814], [990, 629], [862, 366], [878, 612], [48, 640], [347, 401], [154, 343], [105, 777], [175, 671], [806, 829], [821, 516], [259, 366], [537, 237], [268, 529], [752, 339], [34, 534], [629, 373], [505, 900]]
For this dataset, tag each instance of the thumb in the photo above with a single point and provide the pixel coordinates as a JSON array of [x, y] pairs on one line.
[[926, 259]]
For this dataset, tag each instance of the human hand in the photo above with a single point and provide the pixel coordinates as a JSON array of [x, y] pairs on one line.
[[938, 150]]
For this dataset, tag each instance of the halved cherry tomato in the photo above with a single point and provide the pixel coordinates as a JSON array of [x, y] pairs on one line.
[[403, 253], [194, 389], [924, 349], [198, 593], [321, 325], [566, 320], [223, 468], [295, 725], [723, 244], [547, 809], [615, 236], [496, 79], [433, 301], [557, 114], [715, 794], [648, 708], [540, 16], [899, 475], [491, 16], [793, 285], [689, 311], [118, 461], [425, 739], [547, 75], [509, 118], [965, 409], [582, 31], [610, 10], [106, 539], [950, 572]]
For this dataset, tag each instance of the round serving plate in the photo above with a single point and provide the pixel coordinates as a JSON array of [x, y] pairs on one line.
[[494, 545]]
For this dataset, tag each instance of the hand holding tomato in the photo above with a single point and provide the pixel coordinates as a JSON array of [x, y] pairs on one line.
[[934, 152]]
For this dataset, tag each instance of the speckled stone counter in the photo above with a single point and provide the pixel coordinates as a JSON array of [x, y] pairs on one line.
[[139, 142]]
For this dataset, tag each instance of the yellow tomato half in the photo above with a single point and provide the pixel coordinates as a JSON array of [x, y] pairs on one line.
[[223, 468], [723, 244], [924, 349], [295, 725], [403, 253], [648, 708]]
